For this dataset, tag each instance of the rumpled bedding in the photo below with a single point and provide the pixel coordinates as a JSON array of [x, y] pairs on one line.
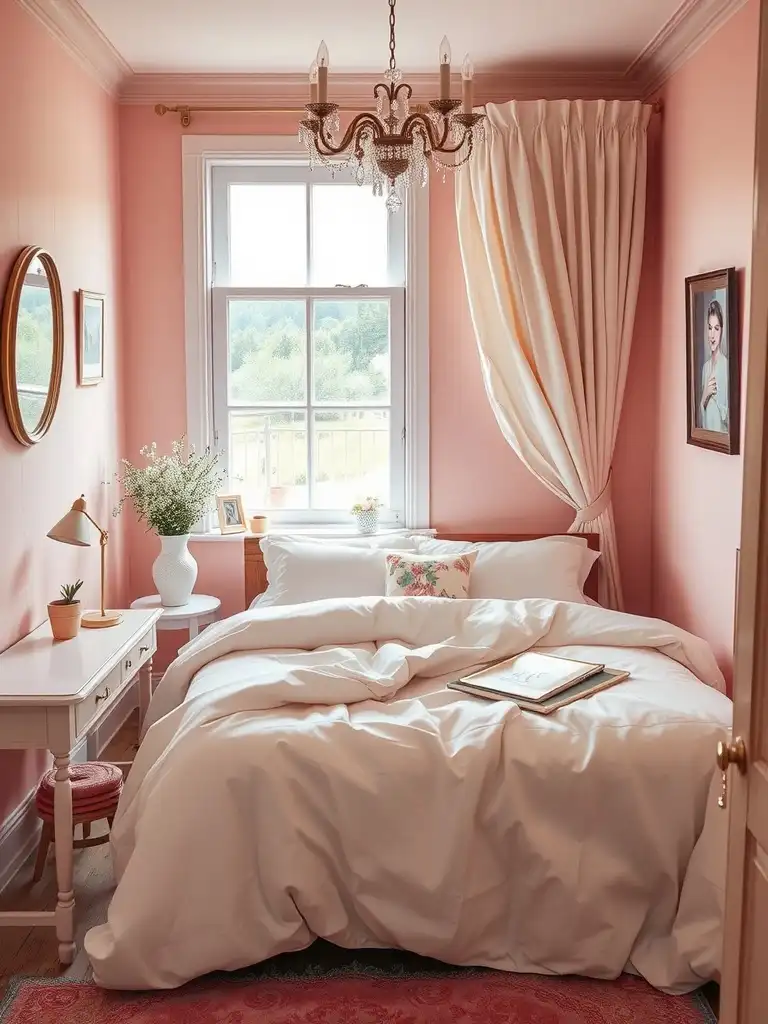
[[305, 772]]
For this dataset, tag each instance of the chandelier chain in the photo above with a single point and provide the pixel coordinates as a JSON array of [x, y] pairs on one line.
[[392, 61]]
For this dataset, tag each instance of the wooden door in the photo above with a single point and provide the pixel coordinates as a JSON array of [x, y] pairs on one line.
[[744, 993]]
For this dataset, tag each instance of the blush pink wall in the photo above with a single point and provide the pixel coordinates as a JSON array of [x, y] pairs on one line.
[[58, 189], [476, 480], [153, 323], [704, 223]]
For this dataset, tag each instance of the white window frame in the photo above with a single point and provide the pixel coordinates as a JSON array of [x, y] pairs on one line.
[[199, 155]]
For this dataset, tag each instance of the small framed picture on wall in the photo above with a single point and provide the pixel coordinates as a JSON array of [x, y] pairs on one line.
[[231, 514], [90, 342], [712, 343]]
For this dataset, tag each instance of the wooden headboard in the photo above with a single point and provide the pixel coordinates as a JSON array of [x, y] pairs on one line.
[[256, 571]]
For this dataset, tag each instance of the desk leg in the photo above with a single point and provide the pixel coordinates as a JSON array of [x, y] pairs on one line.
[[62, 832], [194, 628], [145, 691]]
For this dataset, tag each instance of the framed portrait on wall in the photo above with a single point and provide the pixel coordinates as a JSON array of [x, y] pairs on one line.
[[90, 345], [712, 356]]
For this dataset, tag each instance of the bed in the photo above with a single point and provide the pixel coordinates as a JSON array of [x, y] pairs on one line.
[[306, 772]]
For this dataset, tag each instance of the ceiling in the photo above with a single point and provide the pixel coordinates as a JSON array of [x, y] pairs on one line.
[[220, 36]]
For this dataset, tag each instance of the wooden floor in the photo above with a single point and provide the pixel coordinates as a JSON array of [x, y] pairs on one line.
[[34, 951]]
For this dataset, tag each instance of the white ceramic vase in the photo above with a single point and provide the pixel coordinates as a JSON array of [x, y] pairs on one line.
[[174, 571], [367, 522]]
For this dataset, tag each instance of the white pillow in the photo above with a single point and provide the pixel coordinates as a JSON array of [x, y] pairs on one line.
[[553, 567], [300, 570]]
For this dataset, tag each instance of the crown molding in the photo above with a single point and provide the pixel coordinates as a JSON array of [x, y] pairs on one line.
[[356, 90], [82, 39], [692, 24]]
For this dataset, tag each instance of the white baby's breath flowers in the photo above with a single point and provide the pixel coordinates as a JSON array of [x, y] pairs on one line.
[[171, 492]]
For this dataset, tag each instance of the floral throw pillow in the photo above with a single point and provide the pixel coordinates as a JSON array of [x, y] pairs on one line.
[[429, 576]]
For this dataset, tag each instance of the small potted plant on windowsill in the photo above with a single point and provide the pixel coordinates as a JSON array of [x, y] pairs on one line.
[[366, 513], [64, 614]]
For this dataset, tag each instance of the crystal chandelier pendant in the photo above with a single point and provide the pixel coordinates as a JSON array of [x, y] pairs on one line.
[[393, 201]]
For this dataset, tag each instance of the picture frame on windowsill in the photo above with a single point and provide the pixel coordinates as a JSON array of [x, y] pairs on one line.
[[231, 513]]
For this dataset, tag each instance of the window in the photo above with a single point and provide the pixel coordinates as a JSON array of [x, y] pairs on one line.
[[306, 333], [308, 341]]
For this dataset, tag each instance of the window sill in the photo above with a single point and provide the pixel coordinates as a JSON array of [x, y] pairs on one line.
[[330, 532]]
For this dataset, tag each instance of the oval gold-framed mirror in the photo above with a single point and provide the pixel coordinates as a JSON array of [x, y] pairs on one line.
[[32, 345]]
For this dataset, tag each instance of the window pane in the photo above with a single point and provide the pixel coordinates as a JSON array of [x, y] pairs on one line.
[[351, 457], [267, 351], [350, 351], [267, 235], [268, 461], [349, 236]]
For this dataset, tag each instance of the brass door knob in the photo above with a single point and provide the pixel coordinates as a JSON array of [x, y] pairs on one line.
[[734, 752]]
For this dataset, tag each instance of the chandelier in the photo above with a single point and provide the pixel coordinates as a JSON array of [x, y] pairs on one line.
[[392, 148]]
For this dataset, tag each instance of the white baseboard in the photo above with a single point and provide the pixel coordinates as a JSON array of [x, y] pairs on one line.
[[19, 836], [20, 832]]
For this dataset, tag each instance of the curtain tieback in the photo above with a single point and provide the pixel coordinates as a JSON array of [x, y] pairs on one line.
[[595, 508]]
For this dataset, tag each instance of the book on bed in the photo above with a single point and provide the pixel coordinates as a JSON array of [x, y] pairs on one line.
[[539, 682]]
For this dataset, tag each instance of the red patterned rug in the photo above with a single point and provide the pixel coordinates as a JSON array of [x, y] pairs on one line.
[[470, 997]]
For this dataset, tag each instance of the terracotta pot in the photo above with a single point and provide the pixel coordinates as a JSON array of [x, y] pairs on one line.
[[259, 525], [65, 619]]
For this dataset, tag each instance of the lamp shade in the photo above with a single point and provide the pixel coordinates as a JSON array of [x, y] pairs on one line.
[[75, 527]]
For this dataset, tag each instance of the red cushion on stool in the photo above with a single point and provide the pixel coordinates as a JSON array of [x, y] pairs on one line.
[[96, 785], [93, 810]]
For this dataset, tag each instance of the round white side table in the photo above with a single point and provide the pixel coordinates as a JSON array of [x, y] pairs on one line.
[[199, 611]]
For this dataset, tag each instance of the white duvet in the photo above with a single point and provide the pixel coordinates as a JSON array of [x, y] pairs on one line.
[[306, 773]]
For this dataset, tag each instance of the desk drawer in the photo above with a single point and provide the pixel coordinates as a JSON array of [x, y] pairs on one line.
[[138, 655], [98, 700]]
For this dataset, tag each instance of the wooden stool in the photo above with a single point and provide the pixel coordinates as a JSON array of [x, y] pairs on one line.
[[96, 788]]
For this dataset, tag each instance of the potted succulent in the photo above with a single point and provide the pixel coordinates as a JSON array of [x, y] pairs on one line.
[[64, 614], [366, 513]]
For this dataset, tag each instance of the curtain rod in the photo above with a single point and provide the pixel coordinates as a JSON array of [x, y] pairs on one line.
[[185, 111]]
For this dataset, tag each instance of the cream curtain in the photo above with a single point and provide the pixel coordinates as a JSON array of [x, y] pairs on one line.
[[551, 215]]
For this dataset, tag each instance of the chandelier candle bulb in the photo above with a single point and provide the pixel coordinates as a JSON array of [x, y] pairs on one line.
[[445, 69], [323, 59], [467, 73], [313, 76]]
